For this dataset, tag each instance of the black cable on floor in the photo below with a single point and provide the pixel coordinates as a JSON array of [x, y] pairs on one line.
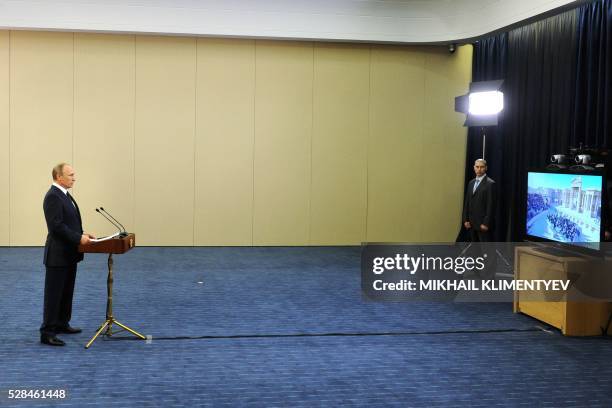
[[297, 335]]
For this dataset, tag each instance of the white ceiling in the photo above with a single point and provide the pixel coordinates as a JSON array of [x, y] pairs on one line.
[[393, 21]]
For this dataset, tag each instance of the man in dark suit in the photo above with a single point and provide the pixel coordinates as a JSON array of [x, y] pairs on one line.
[[65, 233], [479, 207]]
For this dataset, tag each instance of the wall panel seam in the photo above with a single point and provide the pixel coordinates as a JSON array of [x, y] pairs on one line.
[[134, 137], [421, 186], [367, 181], [10, 61], [312, 111], [254, 142], [73, 98], [195, 141]]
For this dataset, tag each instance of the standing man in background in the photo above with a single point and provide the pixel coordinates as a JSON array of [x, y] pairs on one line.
[[65, 233], [479, 207]]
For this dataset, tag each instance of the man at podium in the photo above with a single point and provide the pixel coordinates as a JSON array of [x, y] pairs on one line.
[[65, 233]]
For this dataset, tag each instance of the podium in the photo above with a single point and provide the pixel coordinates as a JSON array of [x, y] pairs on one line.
[[118, 245]]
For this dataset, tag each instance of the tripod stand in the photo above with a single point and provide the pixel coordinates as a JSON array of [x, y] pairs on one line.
[[118, 245], [110, 319]]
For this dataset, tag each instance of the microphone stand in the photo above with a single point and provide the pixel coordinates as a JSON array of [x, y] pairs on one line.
[[122, 231]]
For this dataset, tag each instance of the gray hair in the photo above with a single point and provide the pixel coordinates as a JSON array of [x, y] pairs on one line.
[[58, 170]]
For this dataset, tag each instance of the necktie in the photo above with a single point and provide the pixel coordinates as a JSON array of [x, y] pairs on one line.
[[71, 199], [476, 183]]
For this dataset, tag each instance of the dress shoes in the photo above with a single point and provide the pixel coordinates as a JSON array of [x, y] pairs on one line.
[[52, 341], [70, 330]]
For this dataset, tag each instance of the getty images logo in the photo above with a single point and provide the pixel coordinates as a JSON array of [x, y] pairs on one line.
[[412, 265]]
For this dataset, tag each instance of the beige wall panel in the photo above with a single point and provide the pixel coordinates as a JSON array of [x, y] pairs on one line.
[[448, 75], [104, 128], [283, 131], [339, 144], [438, 208], [4, 136], [395, 165], [41, 81], [234, 142], [224, 142], [164, 134]]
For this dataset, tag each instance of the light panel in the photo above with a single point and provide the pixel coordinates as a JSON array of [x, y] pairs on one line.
[[486, 103]]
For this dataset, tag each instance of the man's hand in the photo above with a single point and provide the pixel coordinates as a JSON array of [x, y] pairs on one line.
[[84, 239], [467, 225], [484, 228], [89, 235]]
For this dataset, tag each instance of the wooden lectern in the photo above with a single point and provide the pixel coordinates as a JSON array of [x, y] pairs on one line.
[[118, 245]]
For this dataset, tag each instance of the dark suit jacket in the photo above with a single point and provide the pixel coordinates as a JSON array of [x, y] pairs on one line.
[[479, 206], [65, 229]]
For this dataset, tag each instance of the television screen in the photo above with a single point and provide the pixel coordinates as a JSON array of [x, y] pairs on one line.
[[565, 207]]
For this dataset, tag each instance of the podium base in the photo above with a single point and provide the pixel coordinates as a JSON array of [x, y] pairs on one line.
[[110, 320], [108, 324]]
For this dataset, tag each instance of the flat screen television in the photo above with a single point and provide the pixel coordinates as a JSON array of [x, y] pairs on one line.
[[565, 207]]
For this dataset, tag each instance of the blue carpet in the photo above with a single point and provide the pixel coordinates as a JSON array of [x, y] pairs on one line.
[[256, 332]]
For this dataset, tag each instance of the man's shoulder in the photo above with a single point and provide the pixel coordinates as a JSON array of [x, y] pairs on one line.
[[490, 180], [53, 192]]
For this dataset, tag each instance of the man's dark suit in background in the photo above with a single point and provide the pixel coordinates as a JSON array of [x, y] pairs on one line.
[[479, 206]]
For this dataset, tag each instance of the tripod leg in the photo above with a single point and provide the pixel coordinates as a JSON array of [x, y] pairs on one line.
[[97, 334], [130, 330]]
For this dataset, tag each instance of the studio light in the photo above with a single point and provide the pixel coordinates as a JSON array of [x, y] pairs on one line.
[[486, 103], [482, 105]]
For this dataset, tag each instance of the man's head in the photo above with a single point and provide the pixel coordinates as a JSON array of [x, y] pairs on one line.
[[480, 167], [63, 174]]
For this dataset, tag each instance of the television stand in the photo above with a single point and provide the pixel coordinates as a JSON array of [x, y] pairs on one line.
[[573, 318]]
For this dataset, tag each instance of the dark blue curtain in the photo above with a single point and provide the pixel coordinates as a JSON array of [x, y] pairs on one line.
[[539, 94], [557, 94], [594, 75]]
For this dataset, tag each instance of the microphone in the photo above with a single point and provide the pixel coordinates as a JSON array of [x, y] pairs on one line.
[[122, 229], [109, 220]]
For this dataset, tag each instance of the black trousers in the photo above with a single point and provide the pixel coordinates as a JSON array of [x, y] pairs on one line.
[[59, 288], [480, 236]]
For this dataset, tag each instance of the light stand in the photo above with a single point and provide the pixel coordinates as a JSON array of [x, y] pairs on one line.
[[484, 141]]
